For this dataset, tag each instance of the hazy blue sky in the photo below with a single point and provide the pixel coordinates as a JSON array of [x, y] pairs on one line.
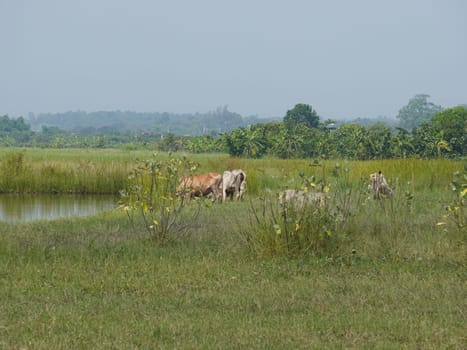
[[359, 58]]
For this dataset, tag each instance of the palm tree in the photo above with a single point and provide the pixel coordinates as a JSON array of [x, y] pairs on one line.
[[254, 142], [402, 143], [288, 144]]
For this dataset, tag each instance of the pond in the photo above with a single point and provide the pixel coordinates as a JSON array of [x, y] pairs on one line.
[[25, 208]]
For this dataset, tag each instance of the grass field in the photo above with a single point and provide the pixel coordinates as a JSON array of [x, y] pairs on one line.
[[106, 170], [394, 279]]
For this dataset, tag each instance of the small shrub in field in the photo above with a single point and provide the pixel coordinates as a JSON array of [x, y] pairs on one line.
[[293, 227], [455, 211], [151, 198], [278, 228]]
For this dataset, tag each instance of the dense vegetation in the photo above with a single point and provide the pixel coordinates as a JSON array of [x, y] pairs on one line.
[[386, 274], [431, 132]]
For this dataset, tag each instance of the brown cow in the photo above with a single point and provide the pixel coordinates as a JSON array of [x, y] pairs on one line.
[[201, 185]]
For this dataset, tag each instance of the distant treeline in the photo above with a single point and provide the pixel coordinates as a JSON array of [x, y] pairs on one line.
[[212, 123], [425, 130]]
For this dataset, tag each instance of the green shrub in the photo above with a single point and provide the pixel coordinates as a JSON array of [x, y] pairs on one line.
[[455, 211], [304, 224], [151, 197], [278, 228]]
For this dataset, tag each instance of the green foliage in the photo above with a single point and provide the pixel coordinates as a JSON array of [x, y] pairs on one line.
[[402, 144], [417, 111], [351, 141], [379, 141], [11, 125], [424, 141], [451, 127], [14, 172], [444, 136], [63, 172], [288, 144], [202, 144], [301, 114], [169, 143], [348, 193], [280, 227], [456, 210], [151, 197], [14, 131], [249, 142]]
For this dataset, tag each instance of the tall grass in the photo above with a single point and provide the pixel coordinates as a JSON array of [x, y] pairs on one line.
[[105, 171], [351, 215], [42, 171]]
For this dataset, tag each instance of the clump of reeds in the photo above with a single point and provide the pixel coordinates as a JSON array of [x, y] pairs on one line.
[[21, 175]]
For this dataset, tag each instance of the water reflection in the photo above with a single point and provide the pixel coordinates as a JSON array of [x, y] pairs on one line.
[[24, 208]]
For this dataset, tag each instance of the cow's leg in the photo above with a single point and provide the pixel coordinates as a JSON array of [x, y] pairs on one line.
[[216, 188], [237, 193], [219, 190]]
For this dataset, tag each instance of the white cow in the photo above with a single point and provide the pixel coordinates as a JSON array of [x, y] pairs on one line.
[[233, 184], [302, 198], [379, 185]]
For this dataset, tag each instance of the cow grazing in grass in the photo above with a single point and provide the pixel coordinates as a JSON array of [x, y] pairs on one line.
[[379, 185], [230, 192], [233, 184], [201, 185], [300, 199]]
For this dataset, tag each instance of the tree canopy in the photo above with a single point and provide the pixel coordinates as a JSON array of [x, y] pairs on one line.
[[13, 125], [220, 120], [417, 111], [301, 114], [451, 126]]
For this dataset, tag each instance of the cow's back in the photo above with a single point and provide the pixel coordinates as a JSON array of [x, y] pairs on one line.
[[300, 198]]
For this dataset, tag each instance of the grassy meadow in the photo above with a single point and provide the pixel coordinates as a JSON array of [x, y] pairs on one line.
[[392, 278]]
